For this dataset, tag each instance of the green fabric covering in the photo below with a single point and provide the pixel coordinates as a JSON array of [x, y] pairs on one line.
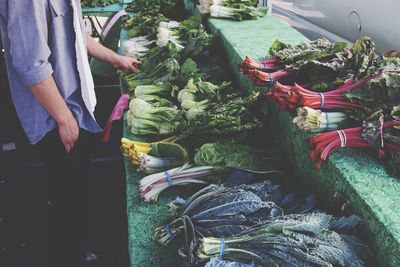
[[374, 195]]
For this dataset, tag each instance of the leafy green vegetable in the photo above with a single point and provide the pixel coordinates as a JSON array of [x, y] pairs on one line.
[[224, 211], [315, 50], [291, 240], [235, 156], [233, 9], [144, 118], [231, 120], [163, 156]]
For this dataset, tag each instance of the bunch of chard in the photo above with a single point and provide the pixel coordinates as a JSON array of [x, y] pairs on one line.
[[290, 240], [385, 140], [325, 144], [283, 54], [161, 157], [315, 120], [152, 185], [133, 149]]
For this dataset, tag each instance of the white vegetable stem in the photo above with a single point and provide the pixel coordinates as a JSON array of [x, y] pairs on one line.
[[167, 34], [205, 6], [152, 185], [136, 47], [314, 120], [221, 11]]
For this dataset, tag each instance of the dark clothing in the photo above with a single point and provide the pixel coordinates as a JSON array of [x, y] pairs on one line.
[[69, 178]]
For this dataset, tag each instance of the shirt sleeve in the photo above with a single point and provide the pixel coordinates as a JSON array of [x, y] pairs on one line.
[[28, 34]]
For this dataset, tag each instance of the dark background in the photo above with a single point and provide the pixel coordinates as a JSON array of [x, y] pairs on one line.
[[24, 191]]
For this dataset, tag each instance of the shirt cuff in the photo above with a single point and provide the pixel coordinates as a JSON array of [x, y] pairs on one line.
[[36, 74]]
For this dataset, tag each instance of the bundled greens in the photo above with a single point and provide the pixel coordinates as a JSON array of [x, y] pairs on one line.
[[231, 120], [223, 211], [232, 9], [152, 185], [235, 156], [199, 96], [133, 149], [136, 47], [291, 240], [140, 24], [162, 156], [144, 118], [245, 223], [315, 120], [188, 35]]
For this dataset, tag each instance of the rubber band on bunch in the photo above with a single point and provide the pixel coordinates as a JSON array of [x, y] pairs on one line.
[[168, 177]]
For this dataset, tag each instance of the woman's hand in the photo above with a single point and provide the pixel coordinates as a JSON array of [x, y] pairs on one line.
[[68, 130], [127, 64]]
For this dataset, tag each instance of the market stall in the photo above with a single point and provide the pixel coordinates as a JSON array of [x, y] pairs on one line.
[[350, 179]]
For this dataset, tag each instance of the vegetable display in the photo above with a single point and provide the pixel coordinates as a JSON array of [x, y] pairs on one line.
[[232, 9], [333, 87], [199, 127], [245, 223]]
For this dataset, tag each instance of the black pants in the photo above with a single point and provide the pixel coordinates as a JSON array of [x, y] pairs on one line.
[[69, 178]]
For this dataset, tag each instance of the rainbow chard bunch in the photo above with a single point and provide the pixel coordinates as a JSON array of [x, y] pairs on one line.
[[319, 63], [375, 134], [152, 185]]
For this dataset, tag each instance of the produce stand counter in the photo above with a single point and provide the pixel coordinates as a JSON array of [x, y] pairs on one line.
[[373, 194], [363, 181]]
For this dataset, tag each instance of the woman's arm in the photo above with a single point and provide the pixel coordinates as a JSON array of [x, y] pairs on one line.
[[118, 62], [46, 92]]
